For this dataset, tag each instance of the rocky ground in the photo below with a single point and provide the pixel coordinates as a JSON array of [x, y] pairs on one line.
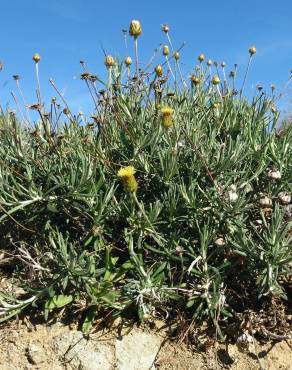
[[59, 347]]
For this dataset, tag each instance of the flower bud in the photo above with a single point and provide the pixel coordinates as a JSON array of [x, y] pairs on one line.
[[128, 61], [176, 55], [135, 28], [165, 50], [66, 111], [201, 57], [223, 64], [215, 80], [159, 70], [210, 62], [165, 28], [109, 61], [252, 50], [36, 57], [195, 80]]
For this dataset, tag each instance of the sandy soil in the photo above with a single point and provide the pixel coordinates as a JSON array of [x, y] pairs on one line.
[[27, 346]]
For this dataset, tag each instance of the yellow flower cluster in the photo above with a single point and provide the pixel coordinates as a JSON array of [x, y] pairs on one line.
[[167, 117], [126, 174]]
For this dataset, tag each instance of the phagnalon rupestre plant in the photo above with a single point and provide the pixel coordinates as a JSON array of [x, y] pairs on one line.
[[174, 197]]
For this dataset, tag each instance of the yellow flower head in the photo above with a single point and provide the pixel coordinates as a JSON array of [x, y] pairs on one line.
[[252, 50], [215, 80], [36, 57], [165, 50], [126, 174], [126, 171], [167, 119], [135, 28]]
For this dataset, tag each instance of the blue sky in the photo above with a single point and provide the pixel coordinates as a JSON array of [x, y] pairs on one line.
[[65, 32]]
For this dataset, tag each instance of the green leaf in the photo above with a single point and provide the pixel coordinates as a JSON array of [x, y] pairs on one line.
[[90, 315], [58, 301]]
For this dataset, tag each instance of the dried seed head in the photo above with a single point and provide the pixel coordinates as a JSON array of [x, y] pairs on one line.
[[215, 80], [135, 29], [176, 55], [284, 198], [16, 77], [233, 196], [66, 111], [220, 242], [265, 202], [165, 28], [274, 175], [36, 57], [165, 50], [252, 50], [201, 57], [128, 61], [158, 70], [109, 61]]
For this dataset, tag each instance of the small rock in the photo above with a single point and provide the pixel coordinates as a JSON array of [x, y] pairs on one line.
[[81, 354], [137, 351]]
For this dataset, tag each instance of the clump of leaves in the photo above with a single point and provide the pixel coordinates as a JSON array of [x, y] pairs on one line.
[[207, 222]]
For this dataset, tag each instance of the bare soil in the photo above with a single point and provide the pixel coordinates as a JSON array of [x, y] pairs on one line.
[[28, 346]]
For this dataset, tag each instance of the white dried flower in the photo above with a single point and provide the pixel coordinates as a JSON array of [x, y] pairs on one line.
[[265, 202], [274, 174], [284, 198], [232, 195], [220, 242], [245, 342]]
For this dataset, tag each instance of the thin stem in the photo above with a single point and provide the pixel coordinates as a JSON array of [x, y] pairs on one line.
[[136, 55], [246, 73], [169, 66], [38, 84]]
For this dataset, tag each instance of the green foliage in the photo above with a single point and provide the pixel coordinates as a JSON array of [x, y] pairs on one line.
[[209, 217]]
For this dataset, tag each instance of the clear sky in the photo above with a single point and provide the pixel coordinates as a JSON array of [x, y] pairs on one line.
[[64, 32]]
